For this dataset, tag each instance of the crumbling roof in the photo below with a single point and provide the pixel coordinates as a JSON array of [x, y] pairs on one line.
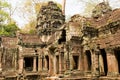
[[111, 40], [28, 38], [9, 42], [104, 20]]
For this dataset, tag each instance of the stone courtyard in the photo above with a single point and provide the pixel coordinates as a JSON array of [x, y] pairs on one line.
[[85, 48]]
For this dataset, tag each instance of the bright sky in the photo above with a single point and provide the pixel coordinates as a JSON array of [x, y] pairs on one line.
[[72, 7]]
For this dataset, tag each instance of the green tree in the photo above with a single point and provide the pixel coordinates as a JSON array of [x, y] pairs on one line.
[[3, 14], [9, 28]]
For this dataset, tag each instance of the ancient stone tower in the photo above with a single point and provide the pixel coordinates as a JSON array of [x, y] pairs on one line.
[[49, 18]]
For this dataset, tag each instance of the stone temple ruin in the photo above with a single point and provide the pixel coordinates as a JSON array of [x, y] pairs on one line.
[[83, 48]]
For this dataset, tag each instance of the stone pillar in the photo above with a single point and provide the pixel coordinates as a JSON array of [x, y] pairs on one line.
[[85, 62], [34, 63], [51, 66], [112, 63], [40, 68], [21, 62], [0, 67], [94, 63], [71, 62], [39, 63], [101, 65], [54, 62], [81, 62], [97, 52], [0, 60], [61, 64], [46, 64], [67, 62], [67, 57]]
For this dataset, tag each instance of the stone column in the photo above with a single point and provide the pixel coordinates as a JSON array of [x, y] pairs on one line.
[[0, 60], [81, 62], [96, 68], [61, 64], [34, 63], [101, 65], [85, 62], [67, 62], [40, 68], [112, 63], [67, 57], [21, 62], [94, 63], [71, 62], [46, 64], [54, 62], [51, 66], [39, 63]]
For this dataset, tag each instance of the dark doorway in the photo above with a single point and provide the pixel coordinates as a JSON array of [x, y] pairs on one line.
[[76, 62], [89, 62], [57, 64], [43, 64], [103, 53], [28, 63], [47, 58], [117, 55], [37, 63]]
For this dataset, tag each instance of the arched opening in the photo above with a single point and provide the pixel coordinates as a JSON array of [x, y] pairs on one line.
[[103, 53]]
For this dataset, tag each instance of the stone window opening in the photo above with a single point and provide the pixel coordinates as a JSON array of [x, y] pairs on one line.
[[76, 59], [28, 63], [117, 55], [103, 53], [89, 62]]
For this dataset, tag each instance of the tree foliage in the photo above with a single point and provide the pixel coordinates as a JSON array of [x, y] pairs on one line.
[[9, 28], [3, 14]]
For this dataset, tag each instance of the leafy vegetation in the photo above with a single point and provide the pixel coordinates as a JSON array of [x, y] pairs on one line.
[[7, 26]]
